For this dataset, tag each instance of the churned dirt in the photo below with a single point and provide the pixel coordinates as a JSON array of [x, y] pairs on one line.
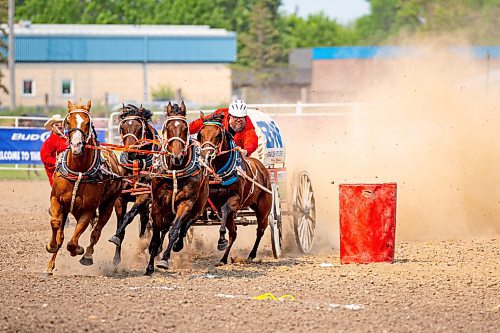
[[433, 286]]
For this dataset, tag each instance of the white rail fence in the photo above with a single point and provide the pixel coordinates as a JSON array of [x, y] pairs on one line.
[[274, 110]]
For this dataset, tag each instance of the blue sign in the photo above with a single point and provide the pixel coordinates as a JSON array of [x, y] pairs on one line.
[[272, 133], [22, 145]]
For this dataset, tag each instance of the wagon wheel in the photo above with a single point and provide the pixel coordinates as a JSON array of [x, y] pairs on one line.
[[304, 212], [275, 223]]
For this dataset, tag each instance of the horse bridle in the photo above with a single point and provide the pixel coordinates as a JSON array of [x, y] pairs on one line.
[[184, 142], [208, 145], [86, 137], [143, 129]]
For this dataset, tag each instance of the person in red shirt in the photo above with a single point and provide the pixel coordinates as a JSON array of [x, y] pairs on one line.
[[55, 144], [237, 122]]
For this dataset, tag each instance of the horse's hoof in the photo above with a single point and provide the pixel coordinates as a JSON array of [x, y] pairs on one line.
[[50, 249], [79, 250], [162, 264], [85, 261], [117, 261], [178, 245], [220, 263], [249, 260], [46, 273], [115, 240], [149, 272], [222, 245]]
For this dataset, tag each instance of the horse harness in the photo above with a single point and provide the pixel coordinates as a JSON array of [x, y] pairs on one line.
[[191, 168], [95, 173]]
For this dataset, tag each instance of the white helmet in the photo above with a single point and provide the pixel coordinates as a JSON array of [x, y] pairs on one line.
[[238, 108]]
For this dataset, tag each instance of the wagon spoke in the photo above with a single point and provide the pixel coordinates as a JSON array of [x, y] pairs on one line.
[[303, 233], [306, 215]]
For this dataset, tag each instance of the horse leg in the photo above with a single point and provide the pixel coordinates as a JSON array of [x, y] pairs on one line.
[[105, 211], [120, 208], [56, 222], [263, 208], [163, 233], [229, 208], [81, 225], [156, 239], [59, 241], [144, 215], [179, 243], [231, 225], [182, 211]]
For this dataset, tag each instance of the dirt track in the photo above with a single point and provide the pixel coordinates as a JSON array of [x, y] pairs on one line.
[[438, 286]]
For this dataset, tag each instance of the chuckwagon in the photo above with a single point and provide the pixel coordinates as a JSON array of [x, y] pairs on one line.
[[292, 203], [299, 208]]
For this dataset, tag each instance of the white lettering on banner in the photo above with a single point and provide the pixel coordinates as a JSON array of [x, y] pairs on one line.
[[10, 155], [29, 137], [35, 155]]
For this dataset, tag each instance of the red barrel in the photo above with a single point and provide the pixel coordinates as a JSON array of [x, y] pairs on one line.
[[367, 222]]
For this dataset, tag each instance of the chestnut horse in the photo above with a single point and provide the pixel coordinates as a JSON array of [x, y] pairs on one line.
[[136, 132], [245, 183], [179, 188], [85, 180]]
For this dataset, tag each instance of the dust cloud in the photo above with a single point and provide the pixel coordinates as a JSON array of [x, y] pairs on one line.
[[430, 124]]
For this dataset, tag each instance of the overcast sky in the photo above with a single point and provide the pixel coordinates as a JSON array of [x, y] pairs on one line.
[[342, 10]]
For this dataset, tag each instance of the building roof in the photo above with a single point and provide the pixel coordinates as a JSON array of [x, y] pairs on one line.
[[123, 43], [24, 28], [369, 52]]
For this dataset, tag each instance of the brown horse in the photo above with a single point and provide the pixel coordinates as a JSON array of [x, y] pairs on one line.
[[245, 183], [136, 132], [179, 187], [86, 179]]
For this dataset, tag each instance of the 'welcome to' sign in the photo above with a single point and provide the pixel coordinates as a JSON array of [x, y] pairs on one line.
[[22, 145]]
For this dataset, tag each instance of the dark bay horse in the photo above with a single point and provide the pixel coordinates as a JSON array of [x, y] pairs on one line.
[[137, 133], [86, 179], [179, 187], [245, 183]]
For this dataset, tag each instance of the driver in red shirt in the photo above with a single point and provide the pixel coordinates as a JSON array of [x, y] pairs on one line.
[[237, 122], [55, 144]]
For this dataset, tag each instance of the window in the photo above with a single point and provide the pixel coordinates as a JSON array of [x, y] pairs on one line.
[[67, 87], [28, 87]]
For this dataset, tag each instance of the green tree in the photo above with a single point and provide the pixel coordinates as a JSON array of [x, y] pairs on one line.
[[316, 30], [163, 93], [261, 47], [475, 20]]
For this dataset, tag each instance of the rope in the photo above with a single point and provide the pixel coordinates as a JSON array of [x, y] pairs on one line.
[[244, 175], [174, 193], [75, 189], [110, 147]]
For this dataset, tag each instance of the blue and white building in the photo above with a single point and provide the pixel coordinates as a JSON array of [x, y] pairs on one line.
[[114, 63]]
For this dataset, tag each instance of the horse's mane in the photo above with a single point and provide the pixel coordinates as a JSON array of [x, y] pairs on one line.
[[132, 110], [176, 110], [216, 118]]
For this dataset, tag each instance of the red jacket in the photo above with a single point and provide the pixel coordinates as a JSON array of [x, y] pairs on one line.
[[53, 146], [247, 139]]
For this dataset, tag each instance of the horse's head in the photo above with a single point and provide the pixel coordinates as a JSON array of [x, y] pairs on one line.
[[211, 136], [78, 125], [175, 132], [133, 125]]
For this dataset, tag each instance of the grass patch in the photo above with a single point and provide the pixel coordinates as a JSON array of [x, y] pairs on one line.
[[22, 174]]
